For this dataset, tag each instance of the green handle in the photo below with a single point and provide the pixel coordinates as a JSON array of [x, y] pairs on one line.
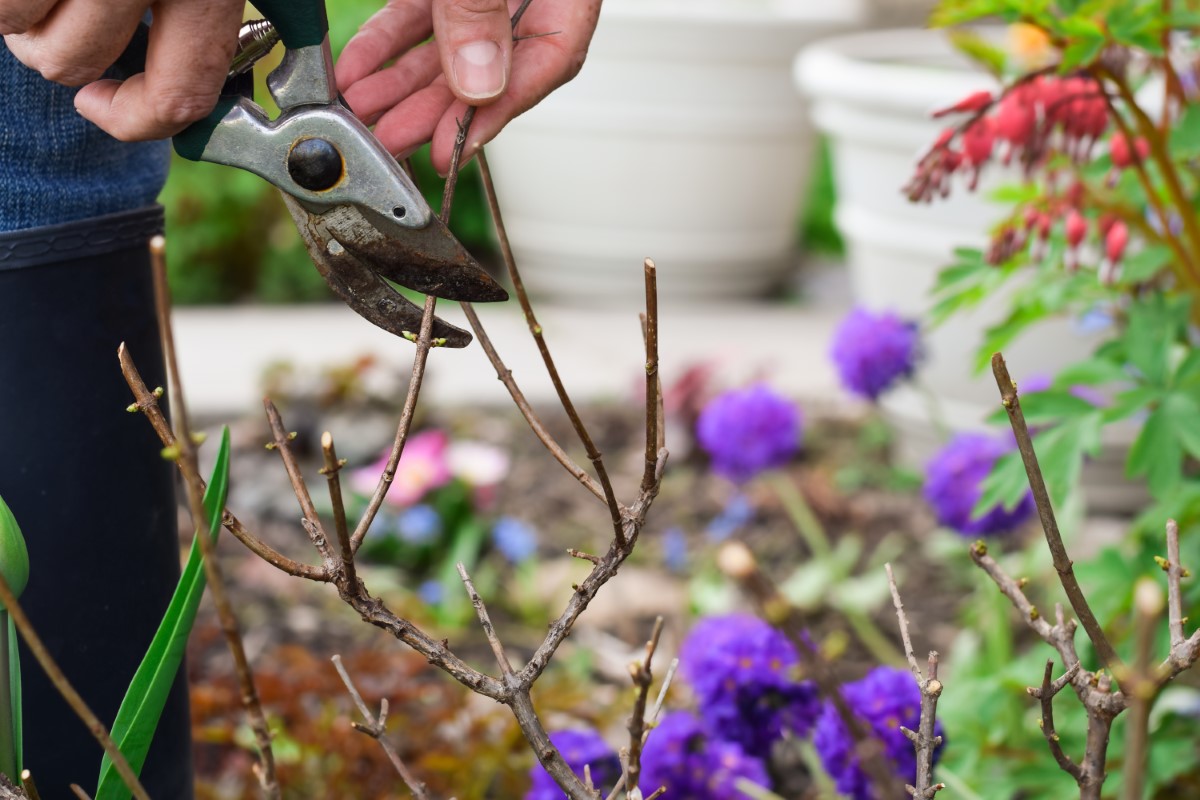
[[301, 23]]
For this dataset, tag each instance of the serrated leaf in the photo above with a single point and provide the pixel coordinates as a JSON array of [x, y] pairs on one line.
[[137, 719]]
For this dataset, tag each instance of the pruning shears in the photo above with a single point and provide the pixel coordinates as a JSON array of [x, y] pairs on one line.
[[359, 213]]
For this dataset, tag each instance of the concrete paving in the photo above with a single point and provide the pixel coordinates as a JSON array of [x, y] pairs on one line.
[[224, 351]]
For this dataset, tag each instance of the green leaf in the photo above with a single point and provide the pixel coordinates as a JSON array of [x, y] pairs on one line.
[[1004, 486], [1156, 453], [1090, 372], [1082, 52], [1146, 263], [137, 719], [14, 693]]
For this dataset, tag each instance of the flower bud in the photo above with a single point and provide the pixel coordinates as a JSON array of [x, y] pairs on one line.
[[1115, 241], [1125, 153], [1076, 228], [977, 141], [14, 558], [1015, 120]]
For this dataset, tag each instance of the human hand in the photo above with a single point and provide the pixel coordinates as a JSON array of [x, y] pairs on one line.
[[73, 42], [472, 61]]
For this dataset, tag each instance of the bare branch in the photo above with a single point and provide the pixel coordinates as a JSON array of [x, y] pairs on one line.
[[1058, 551], [654, 431], [376, 728], [643, 678], [535, 329], [283, 445], [485, 622]]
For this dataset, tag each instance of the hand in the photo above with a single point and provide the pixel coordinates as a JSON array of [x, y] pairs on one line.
[[74, 41], [472, 60]]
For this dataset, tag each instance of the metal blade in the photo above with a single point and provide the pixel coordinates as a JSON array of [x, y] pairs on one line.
[[427, 259], [361, 288]]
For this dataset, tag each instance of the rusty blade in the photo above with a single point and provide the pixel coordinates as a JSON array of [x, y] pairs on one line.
[[427, 259], [361, 288]]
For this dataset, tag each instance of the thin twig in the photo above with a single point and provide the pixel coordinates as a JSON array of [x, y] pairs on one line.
[[643, 678], [1046, 694], [653, 384], [1175, 573], [376, 728], [332, 469], [67, 691], [485, 621], [1058, 551], [146, 402], [78, 791], [267, 779], [282, 443], [925, 739], [593, 453]]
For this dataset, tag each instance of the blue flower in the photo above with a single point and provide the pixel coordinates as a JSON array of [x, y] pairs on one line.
[[737, 512], [675, 549], [579, 748], [682, 757], [886, 699], [747, 431], [872, 352], [384, 524], [742, 672], [954, 483], [419, 524], [515, 540], [431, 592]]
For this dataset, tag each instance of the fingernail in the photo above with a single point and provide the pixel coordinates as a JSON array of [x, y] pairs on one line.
[[479, 70]]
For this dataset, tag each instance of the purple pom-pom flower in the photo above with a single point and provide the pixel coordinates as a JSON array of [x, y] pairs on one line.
[[748, 431], [579, 748], [742, 672], [954, 483], [873, 351], [680, 756], [886, 699]]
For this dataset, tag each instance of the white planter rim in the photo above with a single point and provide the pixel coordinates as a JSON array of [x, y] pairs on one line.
[[888, 69], [733, 12]]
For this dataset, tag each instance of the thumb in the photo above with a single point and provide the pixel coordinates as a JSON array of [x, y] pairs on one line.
[[474, 39]]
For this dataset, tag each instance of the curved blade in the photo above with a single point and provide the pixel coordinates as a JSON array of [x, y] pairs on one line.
[[427, 259], [362, 288]]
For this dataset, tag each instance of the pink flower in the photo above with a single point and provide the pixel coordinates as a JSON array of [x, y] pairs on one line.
[[422, 468]]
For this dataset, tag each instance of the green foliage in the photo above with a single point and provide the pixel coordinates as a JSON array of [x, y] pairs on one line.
[[137, 719]]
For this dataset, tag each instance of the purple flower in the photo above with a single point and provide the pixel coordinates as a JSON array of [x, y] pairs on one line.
[[431, 592], [579, 748], [885, 699], [692, 766], [873, 351], [741, 670], [515, 540], [747, 431], [954, 483]]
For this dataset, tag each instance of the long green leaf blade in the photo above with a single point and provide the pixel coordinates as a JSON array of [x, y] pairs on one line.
[[14, 693], [140, 711]]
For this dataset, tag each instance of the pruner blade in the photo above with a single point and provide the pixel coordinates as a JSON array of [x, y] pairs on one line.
[[359, 283]]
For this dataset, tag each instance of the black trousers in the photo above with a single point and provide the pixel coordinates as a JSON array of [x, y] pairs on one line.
[[88, 486]]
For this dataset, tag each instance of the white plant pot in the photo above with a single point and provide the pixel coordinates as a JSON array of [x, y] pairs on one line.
[[872, 94], [681, 140]]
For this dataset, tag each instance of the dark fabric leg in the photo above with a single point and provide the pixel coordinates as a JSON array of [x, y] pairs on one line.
[[89, 488]]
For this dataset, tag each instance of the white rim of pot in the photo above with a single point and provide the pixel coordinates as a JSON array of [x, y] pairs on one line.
[[870, 68], [844, 12]]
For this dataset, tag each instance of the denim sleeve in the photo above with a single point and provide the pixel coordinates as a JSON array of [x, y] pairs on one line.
[[55, 166]]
